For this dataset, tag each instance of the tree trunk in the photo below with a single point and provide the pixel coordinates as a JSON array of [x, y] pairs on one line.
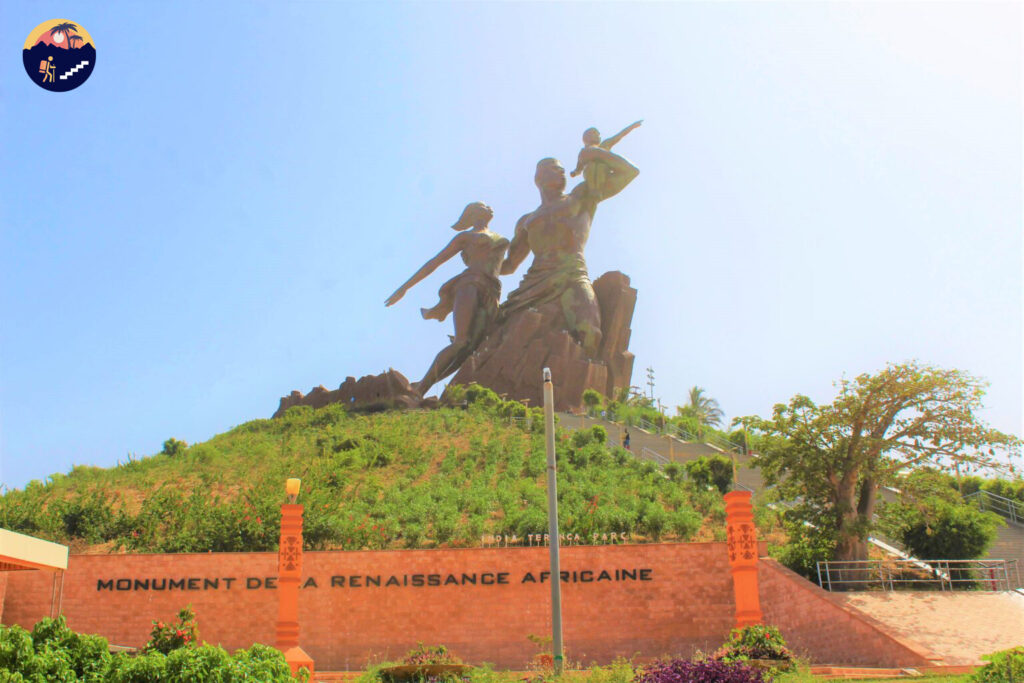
[[852, 539]]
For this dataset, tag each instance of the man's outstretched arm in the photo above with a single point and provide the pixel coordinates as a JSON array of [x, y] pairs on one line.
[[622, 174]]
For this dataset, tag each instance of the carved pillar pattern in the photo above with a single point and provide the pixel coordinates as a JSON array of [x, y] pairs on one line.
[[289, 574], [741, 541]]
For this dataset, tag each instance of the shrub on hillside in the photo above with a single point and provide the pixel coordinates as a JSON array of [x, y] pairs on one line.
[[940, 529], [593, 400], [674, 472], [87, 516], [174, 447], [806, 546], [714, 471]]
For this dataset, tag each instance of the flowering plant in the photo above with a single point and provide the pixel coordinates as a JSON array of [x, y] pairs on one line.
[[166, 637], [699, 671], [544, 661], [754, 642], [425, 655]]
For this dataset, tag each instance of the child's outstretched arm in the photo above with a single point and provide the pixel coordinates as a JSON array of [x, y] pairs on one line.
[[608, 143]]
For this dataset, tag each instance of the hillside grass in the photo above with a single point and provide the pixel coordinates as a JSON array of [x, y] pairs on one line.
[[426, 479]]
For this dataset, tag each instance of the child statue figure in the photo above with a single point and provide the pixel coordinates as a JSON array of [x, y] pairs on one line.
[[594, 171]]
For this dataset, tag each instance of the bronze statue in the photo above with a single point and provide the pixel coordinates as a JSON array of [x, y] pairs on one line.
[[594, 172], [472, 296], [556, 232]]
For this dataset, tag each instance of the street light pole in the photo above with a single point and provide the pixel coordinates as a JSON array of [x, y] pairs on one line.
[[556, 573]]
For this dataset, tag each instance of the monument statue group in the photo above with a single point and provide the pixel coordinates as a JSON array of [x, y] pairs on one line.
[[555, 318]]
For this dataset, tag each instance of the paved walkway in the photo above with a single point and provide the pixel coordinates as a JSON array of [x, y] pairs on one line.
[[959, 626]]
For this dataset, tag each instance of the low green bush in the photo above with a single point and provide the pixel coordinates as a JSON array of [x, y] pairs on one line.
[[53, 652], [758, 641], [1005, 666]]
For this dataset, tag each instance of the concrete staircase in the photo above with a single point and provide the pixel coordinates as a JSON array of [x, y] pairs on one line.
[[672, 449], [1009, 545]]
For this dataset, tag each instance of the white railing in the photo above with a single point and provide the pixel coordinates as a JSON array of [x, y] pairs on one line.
[[1010, 509], [986, 575], [649, 454]]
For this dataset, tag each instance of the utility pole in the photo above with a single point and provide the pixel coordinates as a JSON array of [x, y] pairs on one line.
[[650, 381], [556, 574]]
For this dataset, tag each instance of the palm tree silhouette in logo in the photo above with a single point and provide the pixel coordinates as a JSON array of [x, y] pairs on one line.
[[72, 39], [64, 30]]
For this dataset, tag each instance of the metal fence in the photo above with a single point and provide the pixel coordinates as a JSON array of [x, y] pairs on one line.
[[653, 456], [1010, 509], [911, 574]]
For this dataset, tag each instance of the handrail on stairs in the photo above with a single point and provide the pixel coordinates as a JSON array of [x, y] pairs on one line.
[[651, 454], [1010, 509]]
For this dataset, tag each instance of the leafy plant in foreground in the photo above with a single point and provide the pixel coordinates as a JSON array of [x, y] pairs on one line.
[[1005, 666], [754, 642], [165, 638]]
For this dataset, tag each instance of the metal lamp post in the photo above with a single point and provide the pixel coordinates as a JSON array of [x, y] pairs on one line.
[[556, 574]]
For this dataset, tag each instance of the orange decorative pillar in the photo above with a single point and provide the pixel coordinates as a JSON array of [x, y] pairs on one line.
[[289, 574], [742, 543]]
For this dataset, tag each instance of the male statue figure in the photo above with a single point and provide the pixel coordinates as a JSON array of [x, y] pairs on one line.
[[556, 232]]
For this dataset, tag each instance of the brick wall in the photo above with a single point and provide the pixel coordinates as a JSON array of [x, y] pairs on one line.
[[685, 603], [816, 624], [3, 591]]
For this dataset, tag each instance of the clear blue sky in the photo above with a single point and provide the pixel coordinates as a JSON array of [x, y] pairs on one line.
[[216, 217]]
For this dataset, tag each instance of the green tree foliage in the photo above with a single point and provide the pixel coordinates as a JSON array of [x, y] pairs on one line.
[[834, 457], [702, 408], [706, 472], [593, 401], [938, 528], [952, 531], [174, 447]]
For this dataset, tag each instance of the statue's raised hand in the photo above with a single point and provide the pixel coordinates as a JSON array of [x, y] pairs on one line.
[[394, 298]]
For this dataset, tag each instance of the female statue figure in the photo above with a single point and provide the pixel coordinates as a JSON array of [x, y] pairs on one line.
[[472, 295]]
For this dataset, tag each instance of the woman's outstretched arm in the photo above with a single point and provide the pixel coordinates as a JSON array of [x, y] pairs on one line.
[[453, 248]]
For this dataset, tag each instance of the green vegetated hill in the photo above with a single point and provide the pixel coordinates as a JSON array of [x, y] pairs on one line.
[[438, 478]]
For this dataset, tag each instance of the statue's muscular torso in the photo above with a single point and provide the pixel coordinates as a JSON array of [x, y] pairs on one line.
[[556, 232], [557, 228]]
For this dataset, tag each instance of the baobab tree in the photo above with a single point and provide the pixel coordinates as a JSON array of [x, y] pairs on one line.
[[835, 457]]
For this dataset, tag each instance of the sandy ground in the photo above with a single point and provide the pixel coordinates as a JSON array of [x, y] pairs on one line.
[[959, 626]]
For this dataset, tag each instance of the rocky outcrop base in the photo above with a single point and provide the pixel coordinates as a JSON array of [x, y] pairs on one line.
[[387, 391], [512, 357]]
